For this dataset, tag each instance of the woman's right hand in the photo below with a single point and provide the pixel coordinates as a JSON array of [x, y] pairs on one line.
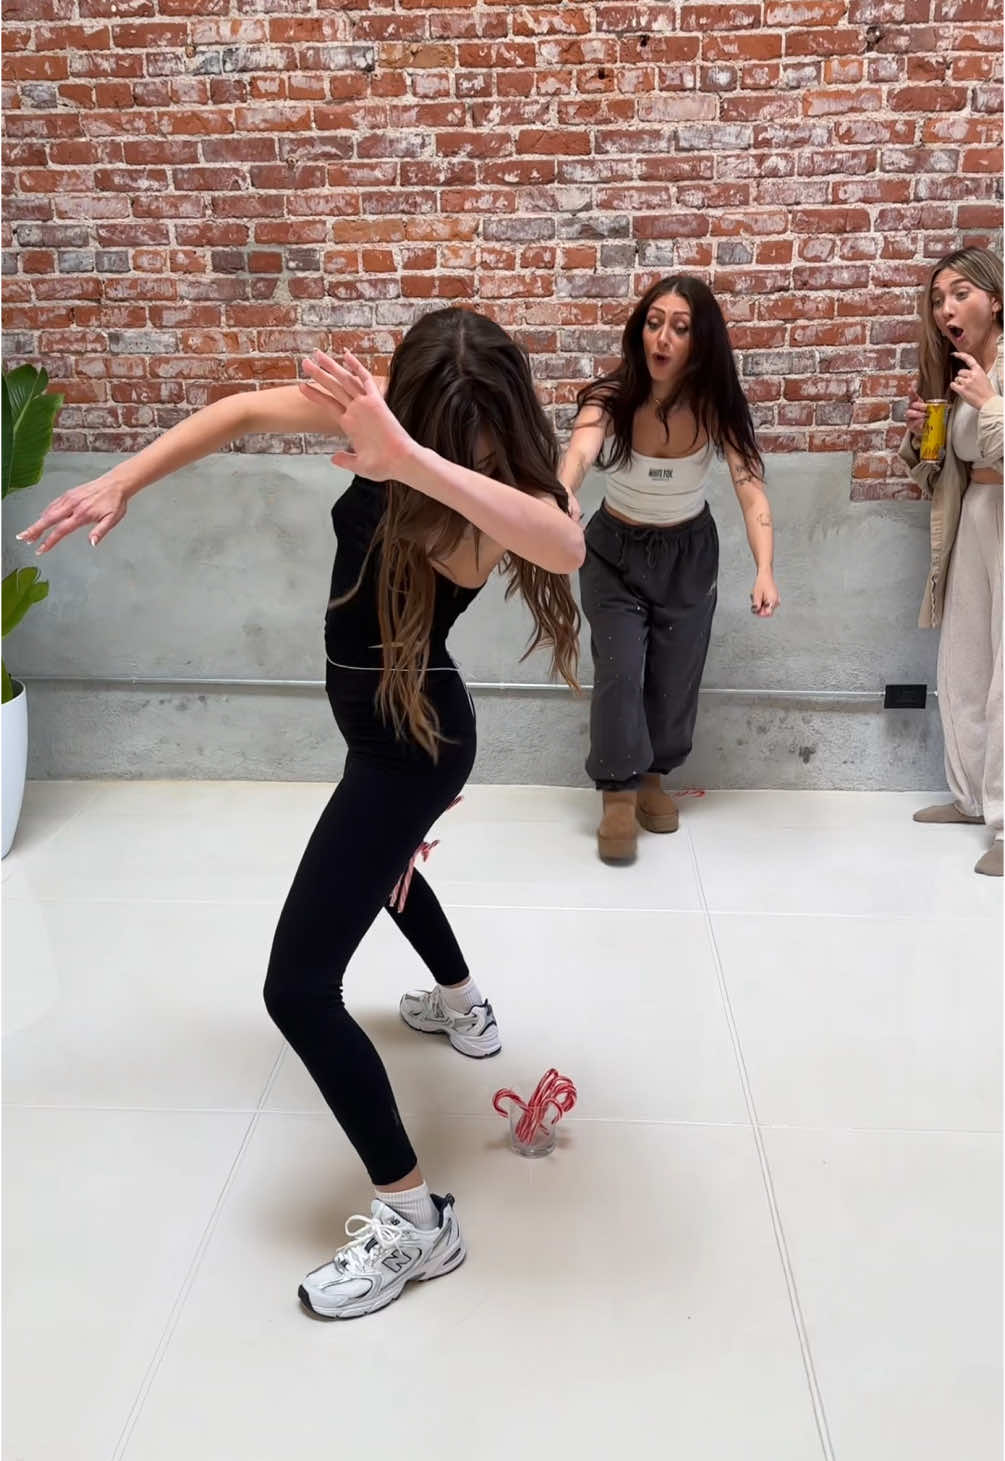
[[915, 416], [101, 503]]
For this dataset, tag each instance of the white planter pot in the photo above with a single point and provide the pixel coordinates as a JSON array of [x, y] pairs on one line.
[[14, 728]]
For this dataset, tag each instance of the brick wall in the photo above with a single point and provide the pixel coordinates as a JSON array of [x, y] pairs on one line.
[[199, 191]]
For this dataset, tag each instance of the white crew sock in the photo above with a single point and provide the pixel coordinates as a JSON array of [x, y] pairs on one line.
[[415, 1205], [461, 998]]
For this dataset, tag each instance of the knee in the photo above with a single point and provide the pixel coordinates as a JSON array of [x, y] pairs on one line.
[[293, 1000], [282, 1001]]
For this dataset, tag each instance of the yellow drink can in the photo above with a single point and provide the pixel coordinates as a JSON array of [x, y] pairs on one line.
[[933, 433]]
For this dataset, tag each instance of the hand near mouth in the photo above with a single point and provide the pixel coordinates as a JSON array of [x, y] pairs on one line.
[[972, 382]]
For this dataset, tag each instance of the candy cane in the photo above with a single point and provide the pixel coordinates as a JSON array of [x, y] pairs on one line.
[[552, 1092]]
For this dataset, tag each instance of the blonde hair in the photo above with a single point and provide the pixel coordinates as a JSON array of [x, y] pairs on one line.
[[984, 270]]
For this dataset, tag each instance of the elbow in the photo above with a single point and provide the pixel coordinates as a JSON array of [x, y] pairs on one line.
[[239, 414], [573, 551], [562, 555]]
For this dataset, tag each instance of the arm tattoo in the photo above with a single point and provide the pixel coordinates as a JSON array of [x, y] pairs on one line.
[[764, 519]]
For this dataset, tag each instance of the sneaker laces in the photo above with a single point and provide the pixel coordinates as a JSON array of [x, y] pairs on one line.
[[367, 1244], [437, 1009]]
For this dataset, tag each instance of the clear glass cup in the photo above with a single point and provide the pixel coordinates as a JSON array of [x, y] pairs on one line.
[[541, 1140]]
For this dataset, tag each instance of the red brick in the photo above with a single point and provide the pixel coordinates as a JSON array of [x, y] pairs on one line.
[[42, 124], [724, 17], [289, 118], [983, 160], [840, 103], [959, 129], [742, 46], [31, 67], [836, 42], [973, 68], [867, 131], [871, 190], [568, 20], [306, 88], [844, 71], [211, 122], [926, 99], [770, 107], [553, 143], [790, 14], [987, 99], [147, 35], [66, 180], [64, 37]]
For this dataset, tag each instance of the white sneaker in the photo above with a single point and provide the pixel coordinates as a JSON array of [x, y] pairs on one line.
[[475, 1034], [384, 1253]]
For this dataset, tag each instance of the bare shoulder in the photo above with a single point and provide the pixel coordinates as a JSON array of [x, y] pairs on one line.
[[595, 413]]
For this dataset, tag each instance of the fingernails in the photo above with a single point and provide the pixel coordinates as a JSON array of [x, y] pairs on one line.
[[20, 537]]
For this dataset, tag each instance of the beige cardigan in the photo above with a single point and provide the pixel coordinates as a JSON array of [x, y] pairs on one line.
[[945, 483]]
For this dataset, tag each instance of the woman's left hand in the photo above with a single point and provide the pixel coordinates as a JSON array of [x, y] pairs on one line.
[[380, 444], [765, 598], [972, 381]]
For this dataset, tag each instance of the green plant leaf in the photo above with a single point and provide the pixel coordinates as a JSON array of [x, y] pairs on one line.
[[21, 589], [29, 416]]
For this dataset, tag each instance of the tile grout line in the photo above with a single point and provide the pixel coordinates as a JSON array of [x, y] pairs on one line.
[[975, 915], [177, 1308], [816, 1398], [314, 1112]]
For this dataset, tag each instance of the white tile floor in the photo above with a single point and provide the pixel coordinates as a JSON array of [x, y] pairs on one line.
[[772, 1230]]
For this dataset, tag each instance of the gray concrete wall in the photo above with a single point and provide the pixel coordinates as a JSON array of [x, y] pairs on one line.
[[222, 573]]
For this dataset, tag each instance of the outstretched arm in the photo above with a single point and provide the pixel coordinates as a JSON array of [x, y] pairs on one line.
[[585, 445], [102, 503]]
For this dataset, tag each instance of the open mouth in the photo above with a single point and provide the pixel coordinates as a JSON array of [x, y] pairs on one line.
[[955, 332], [660, 359]]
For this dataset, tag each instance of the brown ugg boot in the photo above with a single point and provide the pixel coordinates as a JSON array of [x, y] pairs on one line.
[[617, 834], [657, 810], [947, 813]]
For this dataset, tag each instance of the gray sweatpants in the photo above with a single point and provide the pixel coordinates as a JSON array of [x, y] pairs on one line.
[[970, 658], [649, 595]]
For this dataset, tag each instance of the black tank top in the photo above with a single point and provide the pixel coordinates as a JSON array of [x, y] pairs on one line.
[[352, 630]]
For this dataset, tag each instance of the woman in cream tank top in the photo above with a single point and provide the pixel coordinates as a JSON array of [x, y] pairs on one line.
[[654, 425]]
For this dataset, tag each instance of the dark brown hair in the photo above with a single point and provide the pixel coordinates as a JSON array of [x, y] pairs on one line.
[[709, 384]]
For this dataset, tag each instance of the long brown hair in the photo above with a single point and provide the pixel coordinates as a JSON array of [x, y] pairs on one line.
[[709, 385], [984, 270], [460, 386]]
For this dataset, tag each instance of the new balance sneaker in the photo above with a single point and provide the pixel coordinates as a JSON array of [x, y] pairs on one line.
[[475, 1034], [384, 1253]]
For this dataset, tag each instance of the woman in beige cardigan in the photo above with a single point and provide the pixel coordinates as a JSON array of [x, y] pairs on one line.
[[960, 358]]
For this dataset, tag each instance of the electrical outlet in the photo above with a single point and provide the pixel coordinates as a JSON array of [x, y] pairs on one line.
[[905, 697]]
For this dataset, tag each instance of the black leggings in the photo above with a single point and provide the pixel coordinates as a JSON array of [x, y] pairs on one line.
[[389, 796]]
